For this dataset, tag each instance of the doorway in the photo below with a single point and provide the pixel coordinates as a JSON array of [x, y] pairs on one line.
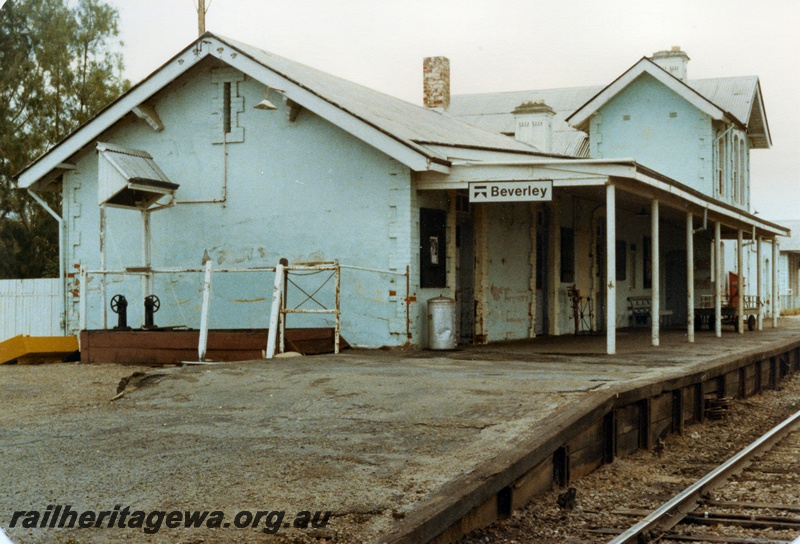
[[675, 284], [600, 276]]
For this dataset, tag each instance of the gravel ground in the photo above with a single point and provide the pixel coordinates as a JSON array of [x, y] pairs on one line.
[[353, 435], [645, 480], [378, 438]]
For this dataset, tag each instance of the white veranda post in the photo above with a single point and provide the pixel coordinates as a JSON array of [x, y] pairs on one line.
[[689, 277], [611, 270], [655, 302]]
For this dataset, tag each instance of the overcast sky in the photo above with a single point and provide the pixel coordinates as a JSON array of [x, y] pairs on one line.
[[507, 45]]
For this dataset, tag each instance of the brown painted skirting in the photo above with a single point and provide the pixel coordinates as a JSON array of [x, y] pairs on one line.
[[159, 347]]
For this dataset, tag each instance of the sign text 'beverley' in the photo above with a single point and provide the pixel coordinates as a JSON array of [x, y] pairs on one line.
[[510, 191]]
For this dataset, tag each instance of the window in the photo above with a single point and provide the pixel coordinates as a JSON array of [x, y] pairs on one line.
[[567, 255], [735, 169], [462, 202], [742, 172], [730, 167], [622, 260], [721, 167], [432, 248]]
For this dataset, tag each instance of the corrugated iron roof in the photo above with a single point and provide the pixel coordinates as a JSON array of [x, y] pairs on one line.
[[132, 164], [739, 96], [492, 111], [734, 95], [402, 119]]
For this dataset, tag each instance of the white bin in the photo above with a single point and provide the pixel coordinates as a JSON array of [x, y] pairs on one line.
[[441, 323]]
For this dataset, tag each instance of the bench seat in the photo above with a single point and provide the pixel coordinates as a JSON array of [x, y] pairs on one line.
[[640, 311]]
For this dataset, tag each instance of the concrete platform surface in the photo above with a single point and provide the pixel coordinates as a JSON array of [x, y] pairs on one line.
[[378, 438]]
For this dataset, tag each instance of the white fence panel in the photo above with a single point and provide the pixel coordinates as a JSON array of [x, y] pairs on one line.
[[30, 307]]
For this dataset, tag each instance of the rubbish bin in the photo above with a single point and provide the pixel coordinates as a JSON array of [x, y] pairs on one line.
[[441, 323]]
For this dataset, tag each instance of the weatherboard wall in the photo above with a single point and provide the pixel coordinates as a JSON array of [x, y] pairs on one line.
[[303, 190]]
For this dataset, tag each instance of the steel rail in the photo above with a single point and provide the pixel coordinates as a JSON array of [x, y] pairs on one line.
[[671, 513]]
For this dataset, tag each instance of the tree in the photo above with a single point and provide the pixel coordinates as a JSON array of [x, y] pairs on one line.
[[58, 67]]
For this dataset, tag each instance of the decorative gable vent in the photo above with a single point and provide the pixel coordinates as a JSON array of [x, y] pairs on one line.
[[227, 105]]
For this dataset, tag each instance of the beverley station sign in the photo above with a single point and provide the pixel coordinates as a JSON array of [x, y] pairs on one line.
[[511, 191]]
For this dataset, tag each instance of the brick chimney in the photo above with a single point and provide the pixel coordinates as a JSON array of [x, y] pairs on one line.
[[533, 125], [436, 82], [673, 61]]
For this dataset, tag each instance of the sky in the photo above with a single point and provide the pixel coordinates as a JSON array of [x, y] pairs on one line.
[[509, 45]]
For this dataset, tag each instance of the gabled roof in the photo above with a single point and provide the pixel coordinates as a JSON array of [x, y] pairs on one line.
[[580, 117], [407, 121], [741, 96], [737, 99], [398, 128]]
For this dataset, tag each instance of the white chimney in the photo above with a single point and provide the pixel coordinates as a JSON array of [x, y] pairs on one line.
[[673, 61], [534, 125], [436, 82]]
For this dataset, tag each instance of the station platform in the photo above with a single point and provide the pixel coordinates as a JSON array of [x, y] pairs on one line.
[[401, 446]]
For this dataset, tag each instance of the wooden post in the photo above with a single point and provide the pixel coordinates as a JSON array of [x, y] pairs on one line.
[[274, 317], [337, 333], [202, 343], [775, 301], [689, 277], [718, 279], [103, 264], [83, 291], [655, 302], [611, 271], [201, 17], [759, 285], [740, 282], [147, 277]]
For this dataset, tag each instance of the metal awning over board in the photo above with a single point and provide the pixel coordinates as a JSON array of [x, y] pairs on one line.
[[130, 178]]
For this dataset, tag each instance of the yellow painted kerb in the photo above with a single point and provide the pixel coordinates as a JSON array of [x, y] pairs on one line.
[[37, 349]]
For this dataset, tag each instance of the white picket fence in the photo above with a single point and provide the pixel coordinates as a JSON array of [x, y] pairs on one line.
[[30, 307]]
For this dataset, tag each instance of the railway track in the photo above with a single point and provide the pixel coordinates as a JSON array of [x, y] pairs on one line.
[[753, 498]]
